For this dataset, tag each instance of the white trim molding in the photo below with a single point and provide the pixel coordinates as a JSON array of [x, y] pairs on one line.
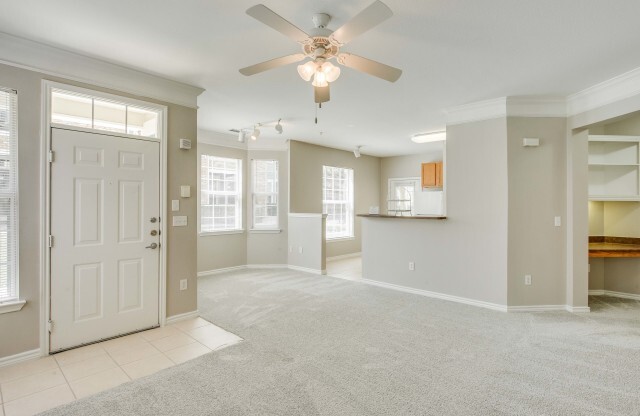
[[615, 89], [307, 215], [345, 256], [12, 306], [578, 309], [182, 317], [307, 270], [221, 270], [267, 266], [20, 357], [613, 294], [537, 308], [34, 56], [518, 106]]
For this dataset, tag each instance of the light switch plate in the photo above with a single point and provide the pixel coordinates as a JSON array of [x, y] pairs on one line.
[[175, 205], [179, 220], [185, 191], [183, 284]]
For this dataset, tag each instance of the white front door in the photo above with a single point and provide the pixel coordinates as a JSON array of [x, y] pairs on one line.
[[105, 204]]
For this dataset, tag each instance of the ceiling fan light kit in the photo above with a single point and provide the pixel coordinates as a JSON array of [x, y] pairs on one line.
[[324, 45]]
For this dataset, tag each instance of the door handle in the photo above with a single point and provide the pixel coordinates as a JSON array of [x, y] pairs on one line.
[[152, 246]]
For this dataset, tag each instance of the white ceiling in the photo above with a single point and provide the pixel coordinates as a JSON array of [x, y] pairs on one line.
[[452, 52]]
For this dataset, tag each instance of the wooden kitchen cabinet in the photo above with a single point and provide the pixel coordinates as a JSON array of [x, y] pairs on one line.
[[432, 175]]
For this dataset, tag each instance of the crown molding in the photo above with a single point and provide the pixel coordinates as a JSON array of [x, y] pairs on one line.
[[520, 106], [49, 60], [610, 91]]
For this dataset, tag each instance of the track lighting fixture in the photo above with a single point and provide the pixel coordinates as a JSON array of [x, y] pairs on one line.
[[356, 152], [241, 136], [279, 127], [256, 133]]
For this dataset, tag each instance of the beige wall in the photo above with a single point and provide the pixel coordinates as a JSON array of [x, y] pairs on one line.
[[181, 250], [536, 195], [223, 250], [409, 166], [466, 254], [306, 161]]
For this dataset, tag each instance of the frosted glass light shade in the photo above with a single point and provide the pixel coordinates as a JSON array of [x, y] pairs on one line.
[[331, 71], [307, 70], [320, 79]]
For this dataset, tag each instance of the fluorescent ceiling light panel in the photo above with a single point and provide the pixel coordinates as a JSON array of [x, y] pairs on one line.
[[436, 136]]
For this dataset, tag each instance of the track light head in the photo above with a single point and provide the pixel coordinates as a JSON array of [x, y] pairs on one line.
[[279, 127], [241, 136], [256, 133], [356, 152]]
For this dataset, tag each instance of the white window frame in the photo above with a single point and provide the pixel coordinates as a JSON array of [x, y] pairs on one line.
[[255, 194], [11, 303], [237, 228], [393, 182], [348, 202]]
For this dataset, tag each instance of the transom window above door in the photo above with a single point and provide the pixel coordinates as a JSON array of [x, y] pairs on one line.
[[77, 109]]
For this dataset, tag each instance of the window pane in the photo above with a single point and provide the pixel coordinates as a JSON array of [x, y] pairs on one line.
[[109, 116], [142, 122], [225, 179], [338, 201], [71, 109], [9, 188]]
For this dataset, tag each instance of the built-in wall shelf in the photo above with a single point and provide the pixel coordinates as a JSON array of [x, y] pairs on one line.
[[614, 168]]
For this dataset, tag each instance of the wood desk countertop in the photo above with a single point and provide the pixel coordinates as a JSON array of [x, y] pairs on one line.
[[609, 247]]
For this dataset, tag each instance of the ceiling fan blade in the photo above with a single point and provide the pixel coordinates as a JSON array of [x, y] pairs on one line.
[[321, 94], [370, 67], [273, 63], [367, 19], [270, 18]]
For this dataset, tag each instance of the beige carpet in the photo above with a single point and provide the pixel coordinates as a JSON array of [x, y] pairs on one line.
[[324, 346]]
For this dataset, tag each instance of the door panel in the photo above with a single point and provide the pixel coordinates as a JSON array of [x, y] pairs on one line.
[[104, 279]]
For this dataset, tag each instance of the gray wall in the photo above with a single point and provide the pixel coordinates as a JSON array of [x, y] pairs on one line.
[[537, 193], [306, 161], [307, 232], [181, 251], [409, 166], [466, 254], [223, 250]]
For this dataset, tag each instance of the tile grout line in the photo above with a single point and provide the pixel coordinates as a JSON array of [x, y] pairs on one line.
[[65, 379]]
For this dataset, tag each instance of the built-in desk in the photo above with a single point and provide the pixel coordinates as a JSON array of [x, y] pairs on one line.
[[611, 247]]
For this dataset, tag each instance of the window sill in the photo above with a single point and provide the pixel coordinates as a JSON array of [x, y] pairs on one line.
[[338, 239], [12, 306], [225, 232], [264, 231]]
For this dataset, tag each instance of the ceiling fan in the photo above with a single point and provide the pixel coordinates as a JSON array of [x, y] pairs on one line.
[[323, 45]]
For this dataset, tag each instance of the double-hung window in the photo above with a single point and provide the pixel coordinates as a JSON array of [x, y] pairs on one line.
[[220, 194], [264, 186], [8, 195], [337, 201]]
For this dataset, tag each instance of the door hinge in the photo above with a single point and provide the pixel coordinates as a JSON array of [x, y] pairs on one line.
[[50, 325], [50, 241], [51, 156]]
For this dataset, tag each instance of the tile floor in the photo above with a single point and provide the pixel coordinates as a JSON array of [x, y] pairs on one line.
[[350, 269], [34, 386]]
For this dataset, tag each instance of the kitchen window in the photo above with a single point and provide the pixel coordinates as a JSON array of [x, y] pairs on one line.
[[265, 194], [220, 194], [337, 201]]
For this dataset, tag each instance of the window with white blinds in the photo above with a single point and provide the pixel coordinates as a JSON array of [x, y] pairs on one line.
[[265, 194], [8, 195]]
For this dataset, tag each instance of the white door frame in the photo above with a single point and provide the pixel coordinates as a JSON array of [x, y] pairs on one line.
[[45, 206]]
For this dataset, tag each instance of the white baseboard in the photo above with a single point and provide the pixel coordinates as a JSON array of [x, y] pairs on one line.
[[223, 270], [345, 256], [18, 358], [267, 266], [307, 270], [537, 308], [578, 309], [436, 295], [611, 293], [182, 317]]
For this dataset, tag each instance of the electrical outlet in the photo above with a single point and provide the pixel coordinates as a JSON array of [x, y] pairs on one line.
[[183, 284], [527, 279], [300, 250], [412, 266]]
